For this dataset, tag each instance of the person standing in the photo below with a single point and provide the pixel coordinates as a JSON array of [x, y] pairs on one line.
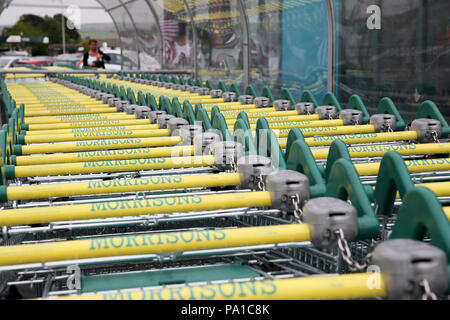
[[95, 58]]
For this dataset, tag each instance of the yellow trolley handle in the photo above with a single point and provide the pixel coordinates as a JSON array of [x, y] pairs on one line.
[[359, 138], [152, 243], [121, 208], [103, 155], [93, 129], [447, 212], [48, 105], [60, 111], [331, 131], [292, 121], [230, 106], [297, 124], [84, 136], [88, 124], [269, 113], [79, 118], [420, 165], [119, 186], [440, 189], [346, 286], [89, 145], [380, 150], [56, 169]]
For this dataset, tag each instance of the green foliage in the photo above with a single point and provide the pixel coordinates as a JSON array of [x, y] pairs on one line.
[[30, 25], [85, 45]]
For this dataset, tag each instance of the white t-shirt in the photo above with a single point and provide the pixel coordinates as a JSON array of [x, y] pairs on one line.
[[180, 50], [91, 60]]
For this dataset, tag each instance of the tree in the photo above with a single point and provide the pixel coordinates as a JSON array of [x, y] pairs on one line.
[[85, 45], [35, 26], [72, 36]]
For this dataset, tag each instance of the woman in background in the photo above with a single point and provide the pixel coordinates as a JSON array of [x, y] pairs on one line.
[[95, 58]]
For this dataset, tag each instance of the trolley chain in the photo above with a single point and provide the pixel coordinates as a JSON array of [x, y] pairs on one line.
[[427, 293], [434, 136], [389, 128], [260, 183], [233, 166], [298, 213], [344, 248]]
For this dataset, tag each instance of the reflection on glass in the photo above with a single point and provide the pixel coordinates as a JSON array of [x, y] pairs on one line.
[[177, 33], [219, 44], [148, 36], [179, 50], [127, 36], [265, 43], [407, 60]]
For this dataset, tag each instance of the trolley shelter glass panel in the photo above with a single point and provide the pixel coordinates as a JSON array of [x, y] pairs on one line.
[[288, 45], [264, 18], [148, 36], [408, 59], [304, 56], [177, 32], [219, 39], [128, 37]]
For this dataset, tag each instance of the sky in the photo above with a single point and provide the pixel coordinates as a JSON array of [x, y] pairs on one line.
[[87, 16]]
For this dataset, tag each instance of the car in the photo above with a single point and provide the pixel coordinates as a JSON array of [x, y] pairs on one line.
[[116, 58], [40, 58], [37, 62], [9, 61], [115, 62], [68, 60]]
